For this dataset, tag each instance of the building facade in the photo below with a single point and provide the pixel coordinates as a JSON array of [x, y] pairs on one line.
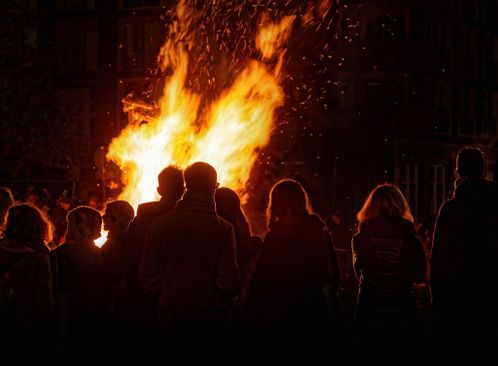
[[415, 82]]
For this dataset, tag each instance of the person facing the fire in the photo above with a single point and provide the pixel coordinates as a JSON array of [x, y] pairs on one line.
[[464, 260], [117, 217], [136, 313], [248, 247], [189, 266], [297, 276], [79, 281], [388, 258], [26, 290]]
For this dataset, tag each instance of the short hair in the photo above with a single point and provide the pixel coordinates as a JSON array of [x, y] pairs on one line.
[[201, 177], [121, 210], [82, 222], [470, 162], [287, 197], [385, 200], [171, 182], [28, 223]]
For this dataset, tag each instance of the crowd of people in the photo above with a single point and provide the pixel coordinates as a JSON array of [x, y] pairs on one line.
[[187, 268]]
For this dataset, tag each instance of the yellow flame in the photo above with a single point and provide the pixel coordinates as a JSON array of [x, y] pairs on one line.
[[235, 127]]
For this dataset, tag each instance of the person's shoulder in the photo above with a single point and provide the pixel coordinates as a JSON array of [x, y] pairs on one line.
[[147, 208]]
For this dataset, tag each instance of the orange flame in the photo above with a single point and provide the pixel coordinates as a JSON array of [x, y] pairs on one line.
[[232, 131]]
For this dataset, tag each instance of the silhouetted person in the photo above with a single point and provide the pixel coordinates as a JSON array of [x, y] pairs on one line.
[[6, 201], [58, 215], [248, 246], [26, 292], [136, 311], [116, 218], [464, 261], [79, 281], [388, 259], [297, 274], [189, 267]]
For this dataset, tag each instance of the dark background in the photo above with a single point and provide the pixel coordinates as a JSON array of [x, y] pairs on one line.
[[375, 91]]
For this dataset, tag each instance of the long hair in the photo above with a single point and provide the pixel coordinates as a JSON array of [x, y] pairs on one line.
[[26, 222], [228, 207], [385, 200], [288, 200]]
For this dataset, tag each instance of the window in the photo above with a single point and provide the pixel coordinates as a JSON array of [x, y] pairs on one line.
[[438, 101], [489, 114], [78, 43], [386, 27], [466, 113], [346, 93], [408, 183], [436, 187], [469, 51], [383, 93], [77, 105], [488, 65], [139, 43]]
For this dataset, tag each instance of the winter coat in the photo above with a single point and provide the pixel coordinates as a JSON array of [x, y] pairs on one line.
[[464, 260], [80, 286], [296, 269], [189, 266], [387, 258], [26, 292]]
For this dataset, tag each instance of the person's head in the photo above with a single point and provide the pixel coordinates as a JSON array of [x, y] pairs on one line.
[[201, 178], [31, 198], [336, 217], [385, 200], [288, 200], [6, 201], [64, 203], [118, 215], [94, 202], [83, 223], [27, 223], [469, 163], [171, 183], [228, 207]]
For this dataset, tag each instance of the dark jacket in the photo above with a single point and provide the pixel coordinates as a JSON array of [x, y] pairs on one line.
[[80, 286], [464, 261], [296, 266], [388, 258], [189, 262], [26, 292], [134, 244]]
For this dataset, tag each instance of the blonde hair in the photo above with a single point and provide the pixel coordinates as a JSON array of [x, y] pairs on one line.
[[287, 199], [385, 200]]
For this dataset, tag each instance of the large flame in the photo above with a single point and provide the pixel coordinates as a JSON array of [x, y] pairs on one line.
[[227, 135]]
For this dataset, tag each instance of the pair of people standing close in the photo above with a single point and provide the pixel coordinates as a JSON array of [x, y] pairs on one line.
[[388, 259]]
